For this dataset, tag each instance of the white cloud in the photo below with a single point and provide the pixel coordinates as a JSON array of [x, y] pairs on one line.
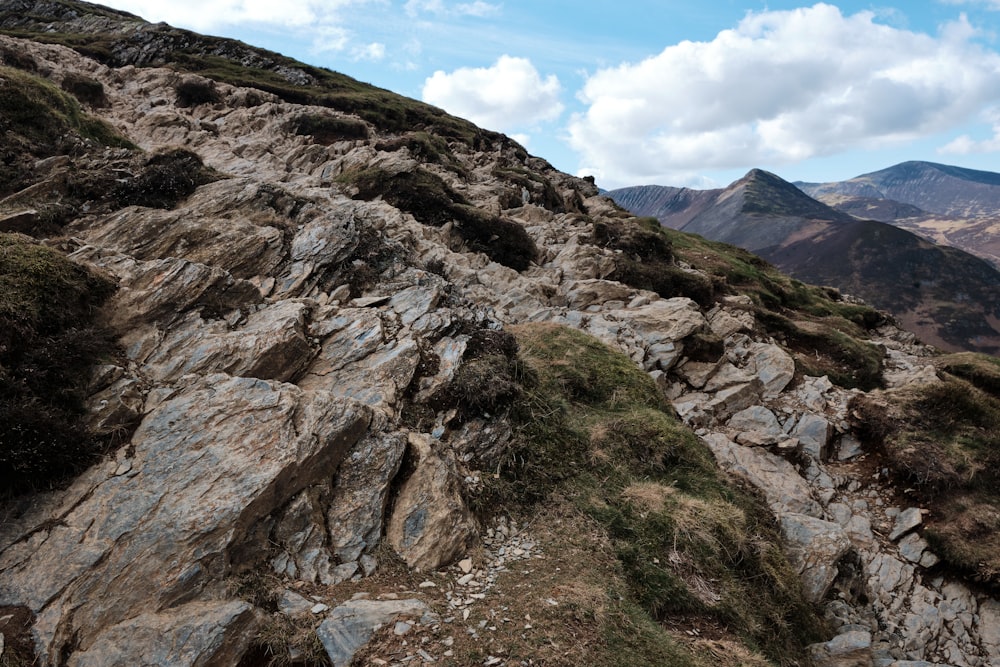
[[780, 87], [477, 8], [966, 145], [374, 52], [510, 94]]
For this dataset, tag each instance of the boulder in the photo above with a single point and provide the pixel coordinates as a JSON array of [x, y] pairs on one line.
[[271, 345], [851, 649], [758, 424], [197, 634], [815, 547], [813, 433], [774, 367], [361, 488], [430, 525], [784, 489], [906, 521]]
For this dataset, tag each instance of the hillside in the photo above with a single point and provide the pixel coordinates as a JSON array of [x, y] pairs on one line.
[[296, 371], [932, 187], [962, 204], [889, 267]]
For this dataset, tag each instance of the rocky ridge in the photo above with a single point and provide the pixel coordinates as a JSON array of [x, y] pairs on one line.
[[287, 354]]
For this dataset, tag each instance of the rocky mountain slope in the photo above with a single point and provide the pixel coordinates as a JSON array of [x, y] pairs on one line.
[[932, 187], [360, 383], [889, 267], [947, 205]]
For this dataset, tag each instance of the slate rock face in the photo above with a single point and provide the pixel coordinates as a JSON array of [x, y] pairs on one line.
[[210, 460]]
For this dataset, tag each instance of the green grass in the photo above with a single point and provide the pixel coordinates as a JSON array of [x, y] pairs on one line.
[[37, 119], [593, 427]]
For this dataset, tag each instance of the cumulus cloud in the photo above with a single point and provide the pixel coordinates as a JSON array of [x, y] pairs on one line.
[[780, 87], [508, 95]]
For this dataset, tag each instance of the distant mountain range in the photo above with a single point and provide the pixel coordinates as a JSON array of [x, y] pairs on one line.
[[948, 205], [949, 297]]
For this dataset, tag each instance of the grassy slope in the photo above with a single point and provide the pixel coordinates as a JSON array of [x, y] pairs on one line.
[[691, 549]]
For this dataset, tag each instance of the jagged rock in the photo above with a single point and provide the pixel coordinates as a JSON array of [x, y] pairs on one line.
[[813, 433], [912, 547], [162, 288], [989, 627], [759, 422], [848, 448], [733, 316], [430, 525], [196, 232], [271, 345], [582, 294], [357, 362], [117, 406], [815, 548], [785, 490], [583, 262], [349, 626], [906, 521], [360, 494], [301, 538], [197, 634], [291, 603], [200, 479], [773, 366], [663, 322], [727, 376], [851, 649], [812, 393], [697, 373], [733, 399]]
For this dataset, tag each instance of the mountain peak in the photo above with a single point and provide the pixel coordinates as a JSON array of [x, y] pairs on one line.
[[769, 194]]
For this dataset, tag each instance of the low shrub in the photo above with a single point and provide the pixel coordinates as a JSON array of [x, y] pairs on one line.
[[85, 89], [166, 178], [326, 129], [420, 193], [501, 239], [433, 202], [192, 92], [48, 344]]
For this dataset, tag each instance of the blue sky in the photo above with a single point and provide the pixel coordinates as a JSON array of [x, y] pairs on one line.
[[667, 92]]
